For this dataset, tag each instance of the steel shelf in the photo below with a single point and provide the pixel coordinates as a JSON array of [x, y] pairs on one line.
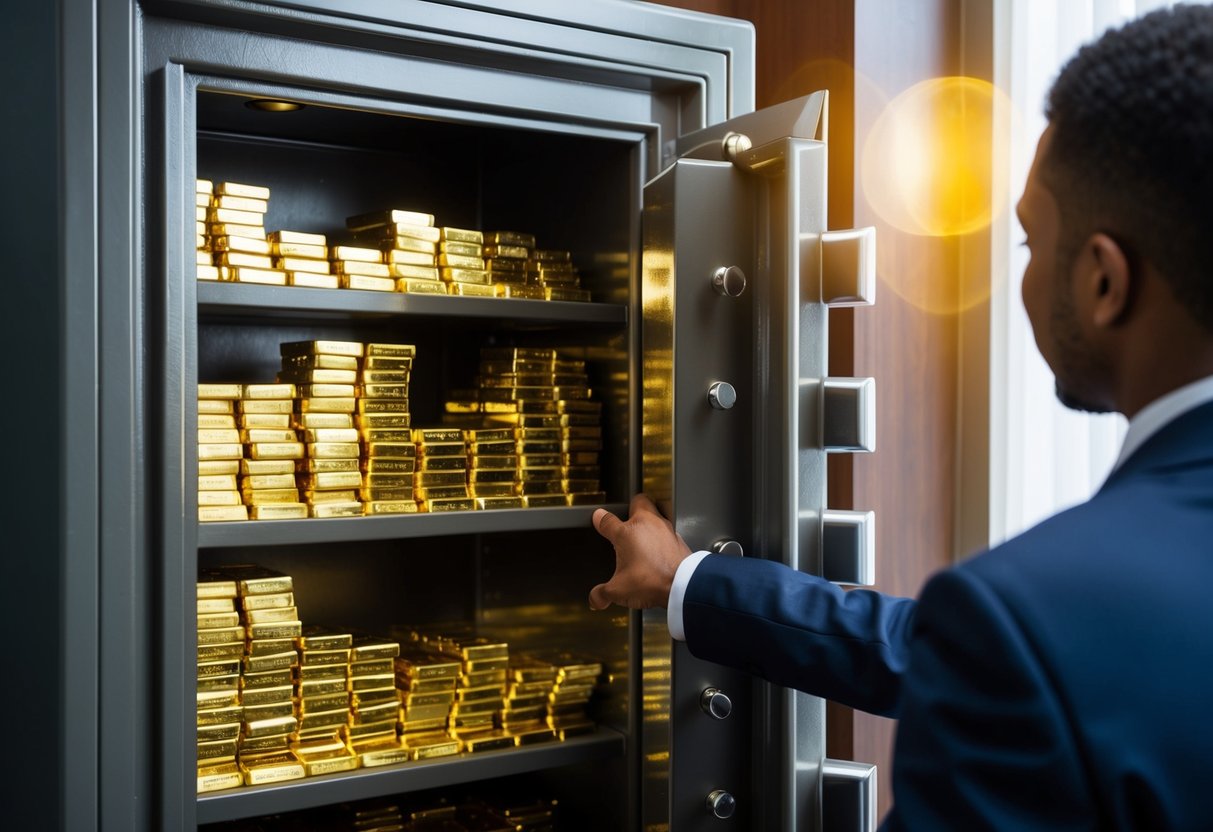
[[294, 302], [253, 801], [390, 527]]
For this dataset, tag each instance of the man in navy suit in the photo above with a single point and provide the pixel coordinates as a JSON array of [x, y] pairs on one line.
[[1062, 680]]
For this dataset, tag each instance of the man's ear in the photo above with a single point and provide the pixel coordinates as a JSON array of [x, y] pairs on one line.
[[1108, 281]]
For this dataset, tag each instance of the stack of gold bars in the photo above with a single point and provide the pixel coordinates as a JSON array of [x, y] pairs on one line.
[[388, 455], [492, 466], [272, 448], [324, 373], [236, 228], [461, 262], [374, 720], [574, 682], [266, 602], [220, 649], [358, 267], [553, 271], [408, 241], [440, 482], [207, 270], [303, 257], [219, 454], [506, 254], [322, 701], [426, 683]]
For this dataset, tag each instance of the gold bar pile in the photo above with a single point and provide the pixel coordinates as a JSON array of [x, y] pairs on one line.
[[492, 467], [219, 454], [506, 254], [207, 270], [220, 649], [271, 450], [440, 481], [574, 680], [361, 267], [554, 272], [324, 373], [372, 730], [235, 222], [408, 242], [303, 257], [387, 452], [461, 262], [426, 681], [322, 701], [479, 695]]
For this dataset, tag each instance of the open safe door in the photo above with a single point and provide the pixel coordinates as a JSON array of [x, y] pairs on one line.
[[738, 415]]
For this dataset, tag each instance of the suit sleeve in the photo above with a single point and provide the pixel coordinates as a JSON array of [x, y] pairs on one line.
[[799, 631], [984, 741]]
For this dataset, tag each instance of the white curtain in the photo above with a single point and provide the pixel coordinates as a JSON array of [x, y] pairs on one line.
[[1043, 458]]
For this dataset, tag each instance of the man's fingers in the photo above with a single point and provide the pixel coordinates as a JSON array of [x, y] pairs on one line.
[[599, 599], [641, 502], [607, 524]]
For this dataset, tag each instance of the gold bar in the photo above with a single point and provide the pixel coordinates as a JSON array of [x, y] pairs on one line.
[[395, 450], [494, 503], [237, 189], [389, 353], [410, 243], [373, 696], [270, 727], [366, 283], [369, 647], [384, 376], [254, 746], [488, 741], [316, 348], [404, 270], [420, 286], [219, 514], [266, 406], [508, 265], [216, 652], [271, 482], [360, 267], [503, 489], [314, 421], [343, 434], [387, 231], [270, 496], [218, 391], [271, 768], [318, 638], [268, 391], [216, 421], [204, 186], [241, 203], [384, 754], [461, 261], [326, 404], [268, 277], [362, 222], [329, 763], [215, 406], [383, 391], [332, 656], [332, 450], [505, 290], [216, 620], [233, 216], [510, 238], [556, 293], [218, 750], [490, 476], [217, 482], [344, 495], [325, 702], [271, 615], [260, 435], [447, 504], [270, 654], [377, 507], [244, 245], [403, 480], [400, 257], [276, 450], [326, 391], [386, 421], [202, 258], [254, 713], [278, 511], [214, 699], [323, 719], [312, 280], [462, 249], [379, 495], [250, 231], [500, 250], [355, 253], [471, 290], [430, 436], [425, 746], [218, 436], [215, 467], [327, 466], [220, 635], [319, 687], [301, 264], [298, 237], [465, 275], [267, 696], [345, 508], [462, 235]]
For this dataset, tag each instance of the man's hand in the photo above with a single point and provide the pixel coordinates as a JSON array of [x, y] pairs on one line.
[[647, 554]]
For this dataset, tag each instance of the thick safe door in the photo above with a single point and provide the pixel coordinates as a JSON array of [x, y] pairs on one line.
[[738, 271]]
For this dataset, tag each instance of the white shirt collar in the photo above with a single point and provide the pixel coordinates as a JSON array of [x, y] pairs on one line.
[[1154, 416]]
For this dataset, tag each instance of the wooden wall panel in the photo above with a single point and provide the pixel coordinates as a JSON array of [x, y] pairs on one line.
[[865, 52]]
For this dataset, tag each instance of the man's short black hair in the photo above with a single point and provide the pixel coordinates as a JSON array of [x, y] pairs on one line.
[[1131, 153]]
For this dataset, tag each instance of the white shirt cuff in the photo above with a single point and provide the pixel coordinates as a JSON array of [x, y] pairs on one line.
[[679, 588]]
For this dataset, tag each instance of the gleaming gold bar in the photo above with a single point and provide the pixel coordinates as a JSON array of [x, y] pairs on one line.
[[204, 186], [480, 436], [314, 435], [271, 615], [420, 286], [384, 376], [446, 504], [531, 735], [381, 494], [361, 735], [268, 391], [214, 699], [220, 635], [269, 727], [366, 648], [270, 496], [271, 768], [220, 683], [267, 696], [298, 238], [488, 741], [372, 667], [374, 696], [264, 406], [218, 436], [388, 354], [491, 476], [255, 746], [216, 421], [226, 667], [409, 243], [496, 458], [362, 683], [462, 249], [345, 508], [331, 762], [394, 450], [218, 391], [268, 277], [465, 275], [318, 638], [438, 479], [558, 293], [539, 461], [383, 391], [266, 467], [397, 406], [332, 450], [380, 507], [325, 404], [260, 435], [386, 753], [332, 656], [471, 290], [495, 503], [362, 222], [344, 495], [461, 261], [427, 699], [311, 280], [462, 235], [215, 406], [402, 434], [505, 290], [301, 264], [238, 189], [273, 710], [219, 731], [203, 258], [509, 238], [404, 270], [502, 489], [355, 254], [271, 482], [427, 745], [403, 480], [367, 714], [255, 580], [366, 283], [400, 257], [275, 630], [438, 435], [317, 348], [275, 450], [270, 654], [360, 267], [232, 216], [217, 750], [216, 620], [315, 421], [386, 421], [254, 231], [496, 251], [422, 713], [242, 245], [220, 514], [440, 492], [216, 482], [327, 466], [507, 267], [423, 664], [389, 231], [319, 687], [325, 702], [305, 376], [241, 203]]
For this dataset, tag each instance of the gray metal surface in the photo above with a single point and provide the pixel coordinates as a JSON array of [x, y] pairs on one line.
[[848, 796]]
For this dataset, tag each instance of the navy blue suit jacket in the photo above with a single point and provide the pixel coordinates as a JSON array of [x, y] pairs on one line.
[[1061, 681]]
